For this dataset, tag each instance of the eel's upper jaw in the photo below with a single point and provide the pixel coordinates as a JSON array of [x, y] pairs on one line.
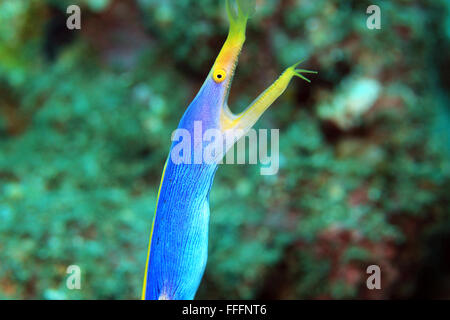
[[227, 59], [238, 16]]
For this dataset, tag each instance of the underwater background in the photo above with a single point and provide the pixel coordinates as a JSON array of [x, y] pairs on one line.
[[86, 118]]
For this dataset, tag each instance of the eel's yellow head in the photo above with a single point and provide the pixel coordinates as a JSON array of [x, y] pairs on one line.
[[211, 101], [238, 12]]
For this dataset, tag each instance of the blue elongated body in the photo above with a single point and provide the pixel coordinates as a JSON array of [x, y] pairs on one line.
[[179, 244]]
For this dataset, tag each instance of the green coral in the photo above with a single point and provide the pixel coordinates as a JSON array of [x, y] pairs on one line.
[[83, 141]]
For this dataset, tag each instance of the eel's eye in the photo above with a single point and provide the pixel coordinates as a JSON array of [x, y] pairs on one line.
[[219, 75]]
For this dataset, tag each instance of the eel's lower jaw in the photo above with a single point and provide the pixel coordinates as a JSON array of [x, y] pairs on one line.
[[246, 119]]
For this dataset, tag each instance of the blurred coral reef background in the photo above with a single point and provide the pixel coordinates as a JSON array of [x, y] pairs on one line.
[[86, 118]]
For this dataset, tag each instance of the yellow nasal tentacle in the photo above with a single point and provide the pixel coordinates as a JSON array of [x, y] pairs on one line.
[[227, 58]]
